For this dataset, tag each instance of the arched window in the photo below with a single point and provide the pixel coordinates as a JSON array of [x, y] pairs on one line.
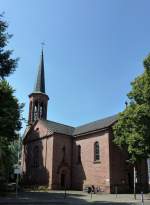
[[78, 154], [35, 112], [41, 111], [63, 153], [36, 157], [96, 151]]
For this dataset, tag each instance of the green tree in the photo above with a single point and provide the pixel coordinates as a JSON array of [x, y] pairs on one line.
[[10, 109], [7, 64], [9, 112], [132, 130]]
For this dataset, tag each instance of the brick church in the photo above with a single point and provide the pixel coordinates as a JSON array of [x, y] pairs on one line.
[[58, 155]]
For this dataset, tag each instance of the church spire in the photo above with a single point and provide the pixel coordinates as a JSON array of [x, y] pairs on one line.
[[38, 98], [40, 81]]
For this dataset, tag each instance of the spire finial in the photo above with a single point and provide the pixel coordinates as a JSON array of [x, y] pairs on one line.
[[42, 45]]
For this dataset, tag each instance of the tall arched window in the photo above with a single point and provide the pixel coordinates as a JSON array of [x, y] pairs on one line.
[[35, 112], [63, 153], [96, 151], [36, 157], [41, 111]]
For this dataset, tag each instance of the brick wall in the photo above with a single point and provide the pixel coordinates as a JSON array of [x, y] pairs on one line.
[[59, 165], [89, 172], [62, 158], [42, 173]]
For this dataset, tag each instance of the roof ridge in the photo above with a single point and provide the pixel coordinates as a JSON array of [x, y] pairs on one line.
[[97, 120], [74, 131], [57, 123], [112, 116]]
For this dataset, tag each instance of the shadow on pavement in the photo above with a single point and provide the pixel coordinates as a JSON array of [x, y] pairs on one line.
[[54, 198], [49, 195]]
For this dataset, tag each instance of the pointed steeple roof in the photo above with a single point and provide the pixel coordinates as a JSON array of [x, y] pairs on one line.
[[40, 81]]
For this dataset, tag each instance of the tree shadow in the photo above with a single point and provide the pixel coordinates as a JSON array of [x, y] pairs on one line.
[[77, 167], [71, 198], [61, 198], [36, 173]]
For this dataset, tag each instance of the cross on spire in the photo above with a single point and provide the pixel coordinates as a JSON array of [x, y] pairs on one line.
[[42, 45]]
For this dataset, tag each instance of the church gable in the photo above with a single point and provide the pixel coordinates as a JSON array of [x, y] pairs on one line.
[[44, 128], [56, 127], [37, 131]]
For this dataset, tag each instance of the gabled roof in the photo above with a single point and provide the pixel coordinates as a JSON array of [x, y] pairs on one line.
[[96, 125], [56, 127]]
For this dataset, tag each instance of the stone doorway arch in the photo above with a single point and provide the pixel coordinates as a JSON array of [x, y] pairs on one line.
[[64, 178]]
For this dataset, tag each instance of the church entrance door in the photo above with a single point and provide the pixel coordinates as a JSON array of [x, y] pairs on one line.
[[63, 180]]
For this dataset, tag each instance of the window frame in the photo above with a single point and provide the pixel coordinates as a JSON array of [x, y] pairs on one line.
[[96, 152]]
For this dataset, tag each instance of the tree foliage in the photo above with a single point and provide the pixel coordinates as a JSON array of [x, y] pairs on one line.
[[9, 152], [7, 64], [10, 109], [132, 130]]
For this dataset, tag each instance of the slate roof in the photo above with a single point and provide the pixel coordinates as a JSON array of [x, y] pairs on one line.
[[96, 125], [40, 81], [75, 131], [58, 127]]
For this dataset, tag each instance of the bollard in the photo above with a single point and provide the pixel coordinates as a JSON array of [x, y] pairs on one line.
[[65, 195], [91, 193], [17, 179], [142, 198], [116, 191]]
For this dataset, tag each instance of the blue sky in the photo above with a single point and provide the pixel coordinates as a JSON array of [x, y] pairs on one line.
[[94, 49]]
